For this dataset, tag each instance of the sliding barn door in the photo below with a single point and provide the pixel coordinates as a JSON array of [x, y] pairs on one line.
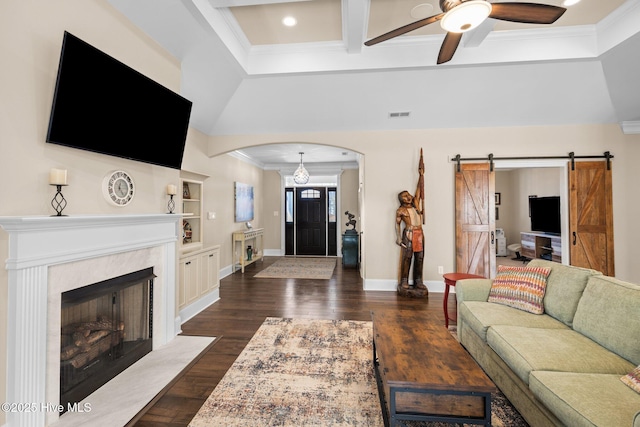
[[591, 217], [475, 220]]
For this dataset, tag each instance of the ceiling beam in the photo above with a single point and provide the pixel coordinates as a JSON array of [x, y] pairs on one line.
[[476, 36], [355, 17], [235, 3]]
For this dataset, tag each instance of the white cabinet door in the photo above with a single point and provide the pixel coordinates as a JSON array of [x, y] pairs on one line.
[[209, 262], [189, 278]]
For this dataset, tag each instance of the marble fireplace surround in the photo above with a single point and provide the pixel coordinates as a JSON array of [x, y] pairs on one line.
[[51, 255]]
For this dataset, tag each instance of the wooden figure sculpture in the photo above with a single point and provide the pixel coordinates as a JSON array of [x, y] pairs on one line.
[[411, 238]]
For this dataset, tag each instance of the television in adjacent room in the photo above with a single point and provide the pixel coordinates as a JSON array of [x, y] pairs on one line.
[[105, 106], [545, 214]]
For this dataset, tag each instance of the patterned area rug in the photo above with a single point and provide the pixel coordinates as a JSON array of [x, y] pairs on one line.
[[299, 268], [297, 372]]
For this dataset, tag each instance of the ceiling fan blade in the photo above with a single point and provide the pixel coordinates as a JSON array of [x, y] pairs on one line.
[[405, 29], [449, 46], [529, 13]]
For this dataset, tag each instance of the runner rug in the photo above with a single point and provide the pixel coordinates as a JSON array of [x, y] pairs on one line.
[[297, 372], [299, 268]]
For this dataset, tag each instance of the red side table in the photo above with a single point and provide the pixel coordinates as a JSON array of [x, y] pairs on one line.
[[450, 279]]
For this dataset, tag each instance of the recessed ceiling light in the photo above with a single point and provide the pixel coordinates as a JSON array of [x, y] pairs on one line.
[[289, 21], [570, 2], [422, 11]]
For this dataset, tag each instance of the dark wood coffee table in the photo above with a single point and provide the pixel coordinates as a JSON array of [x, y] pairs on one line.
[[424, 374]]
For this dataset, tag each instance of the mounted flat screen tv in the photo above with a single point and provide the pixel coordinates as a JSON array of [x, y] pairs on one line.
[[545, 214], [105, 106]]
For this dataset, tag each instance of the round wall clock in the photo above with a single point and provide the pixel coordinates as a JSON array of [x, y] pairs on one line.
[[118, 188]]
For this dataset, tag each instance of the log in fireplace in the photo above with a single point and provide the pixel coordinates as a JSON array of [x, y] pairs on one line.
[[105, 328]]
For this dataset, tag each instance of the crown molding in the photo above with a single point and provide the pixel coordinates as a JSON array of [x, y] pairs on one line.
[[630, 127]]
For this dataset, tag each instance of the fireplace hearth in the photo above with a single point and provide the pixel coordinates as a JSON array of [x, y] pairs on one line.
[[105, 328]]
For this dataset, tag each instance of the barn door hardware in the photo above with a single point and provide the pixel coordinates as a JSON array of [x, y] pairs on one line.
[[571, 156]]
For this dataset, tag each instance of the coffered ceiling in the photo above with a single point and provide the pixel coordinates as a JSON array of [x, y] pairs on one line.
[[247, 73]]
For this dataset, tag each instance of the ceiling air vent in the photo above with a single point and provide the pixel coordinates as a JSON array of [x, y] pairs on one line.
[[399, 114]]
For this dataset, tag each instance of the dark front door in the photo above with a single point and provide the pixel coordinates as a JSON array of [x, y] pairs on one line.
[[311, 219]]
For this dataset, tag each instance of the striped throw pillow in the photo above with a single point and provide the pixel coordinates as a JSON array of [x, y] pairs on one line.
[[520, 287], [632, 379]]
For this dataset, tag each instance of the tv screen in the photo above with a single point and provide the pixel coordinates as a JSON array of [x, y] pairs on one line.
[[545, 214], [105, 106]]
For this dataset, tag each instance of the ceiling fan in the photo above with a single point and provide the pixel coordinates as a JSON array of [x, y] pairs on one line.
[[460, 16]]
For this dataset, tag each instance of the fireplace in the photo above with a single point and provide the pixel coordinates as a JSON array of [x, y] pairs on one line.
[[49, 256], [105, 328]]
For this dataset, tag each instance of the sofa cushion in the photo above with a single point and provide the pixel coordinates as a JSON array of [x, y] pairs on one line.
[[520, 287], [586, 399], [479, 316], [632, 379], [533, 349], [608, 314], [565, 285]]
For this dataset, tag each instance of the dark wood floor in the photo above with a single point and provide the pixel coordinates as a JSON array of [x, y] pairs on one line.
[[244, 304]]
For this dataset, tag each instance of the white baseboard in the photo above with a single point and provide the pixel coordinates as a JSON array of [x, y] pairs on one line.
[[369, 284], [226, 271], [273, 252], [392, 285], [192, 309]]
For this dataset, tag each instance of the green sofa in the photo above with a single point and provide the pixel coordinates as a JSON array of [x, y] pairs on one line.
[[563, 367]]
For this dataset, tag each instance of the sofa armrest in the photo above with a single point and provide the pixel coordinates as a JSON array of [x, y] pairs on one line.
[[473, 290]]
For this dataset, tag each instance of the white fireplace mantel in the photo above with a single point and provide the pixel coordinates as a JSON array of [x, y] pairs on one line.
[[38, 243]]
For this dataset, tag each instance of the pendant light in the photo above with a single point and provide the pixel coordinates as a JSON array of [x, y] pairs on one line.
[[301, 176]]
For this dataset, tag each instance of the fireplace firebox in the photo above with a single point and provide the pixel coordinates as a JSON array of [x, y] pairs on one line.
[[105, 328]]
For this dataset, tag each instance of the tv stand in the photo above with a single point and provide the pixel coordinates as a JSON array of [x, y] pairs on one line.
[[541, 245]]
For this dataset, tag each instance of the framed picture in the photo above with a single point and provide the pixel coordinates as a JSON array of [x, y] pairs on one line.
[[243, 202], [498, 199], [186, 194]]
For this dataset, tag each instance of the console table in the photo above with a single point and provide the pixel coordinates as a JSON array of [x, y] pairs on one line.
[[242, 238], [541, 245], [424, 373]]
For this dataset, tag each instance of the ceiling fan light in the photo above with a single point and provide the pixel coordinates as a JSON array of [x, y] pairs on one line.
[[466, 16]]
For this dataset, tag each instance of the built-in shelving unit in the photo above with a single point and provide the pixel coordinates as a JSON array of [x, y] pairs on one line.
[[192, 226]]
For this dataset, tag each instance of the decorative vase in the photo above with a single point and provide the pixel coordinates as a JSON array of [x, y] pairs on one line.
[[249, 253]]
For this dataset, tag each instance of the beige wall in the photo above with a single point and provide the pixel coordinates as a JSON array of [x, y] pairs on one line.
[[224, 171], [349, 198], [31, 34], [388, 170]]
